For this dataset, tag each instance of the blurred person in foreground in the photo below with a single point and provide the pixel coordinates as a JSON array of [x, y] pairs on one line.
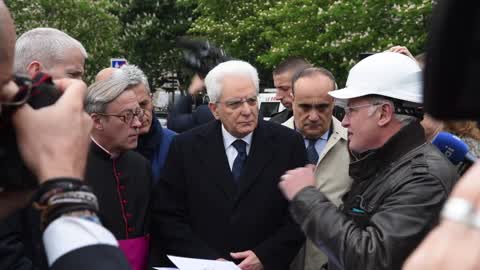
[[326, 144], [400, 181], [53, 143]]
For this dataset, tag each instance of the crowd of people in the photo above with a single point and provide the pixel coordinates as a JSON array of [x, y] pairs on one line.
[[303, 191]]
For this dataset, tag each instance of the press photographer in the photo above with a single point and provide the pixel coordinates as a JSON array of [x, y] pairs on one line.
[[53, 143], [200, 56]]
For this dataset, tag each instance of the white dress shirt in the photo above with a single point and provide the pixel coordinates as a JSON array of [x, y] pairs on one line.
[[320, 143], [230, 150], [66, 234]]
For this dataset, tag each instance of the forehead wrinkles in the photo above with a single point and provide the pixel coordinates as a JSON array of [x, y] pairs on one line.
[[318, 99]]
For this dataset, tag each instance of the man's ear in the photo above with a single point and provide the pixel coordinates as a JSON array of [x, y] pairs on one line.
[[33, 68], [213, 108], [97, 121], [386, 114]]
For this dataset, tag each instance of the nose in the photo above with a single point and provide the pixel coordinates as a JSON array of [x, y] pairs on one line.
[[136, 123], [346, 121], [313, 115], [245, 109], [278, 95]]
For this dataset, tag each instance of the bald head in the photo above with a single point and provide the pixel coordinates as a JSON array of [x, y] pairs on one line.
[[104, 74]]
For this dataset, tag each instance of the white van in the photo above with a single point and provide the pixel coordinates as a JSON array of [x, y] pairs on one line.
[[267, 103]]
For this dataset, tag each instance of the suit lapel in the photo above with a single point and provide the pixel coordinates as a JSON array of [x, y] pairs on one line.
[[260, 155], [214, 160], [338, 133]]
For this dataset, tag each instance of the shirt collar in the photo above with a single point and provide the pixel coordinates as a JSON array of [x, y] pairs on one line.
[[112, 155], [228, 138], [323, 137]]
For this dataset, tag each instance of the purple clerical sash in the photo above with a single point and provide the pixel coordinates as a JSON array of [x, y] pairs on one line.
[[136, 251]]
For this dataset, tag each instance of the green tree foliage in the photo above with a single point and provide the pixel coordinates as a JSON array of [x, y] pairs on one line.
[[150, 29], [90, 22], [328, 33]]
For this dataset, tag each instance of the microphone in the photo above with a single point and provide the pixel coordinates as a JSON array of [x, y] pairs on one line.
[[456, 150]]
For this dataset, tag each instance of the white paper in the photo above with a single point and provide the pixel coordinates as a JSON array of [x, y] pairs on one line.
[[184, 263], [164, 268]]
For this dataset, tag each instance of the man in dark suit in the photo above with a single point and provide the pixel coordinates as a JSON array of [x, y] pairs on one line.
[[218, 196]]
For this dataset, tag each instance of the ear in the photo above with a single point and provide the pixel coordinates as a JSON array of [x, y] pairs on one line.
[[97, 121], [386, 115], [33, 68], [213, 108]]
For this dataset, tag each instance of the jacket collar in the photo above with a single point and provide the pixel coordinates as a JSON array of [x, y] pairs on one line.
[[147, 143], [375, 161], [100, 152], [212, 153]]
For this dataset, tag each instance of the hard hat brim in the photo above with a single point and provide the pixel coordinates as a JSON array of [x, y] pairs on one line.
[[349, 93], [343, 95]]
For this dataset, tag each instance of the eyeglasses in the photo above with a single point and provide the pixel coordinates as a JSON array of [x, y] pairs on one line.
[[127, 115], [236, 103], [350, 109]]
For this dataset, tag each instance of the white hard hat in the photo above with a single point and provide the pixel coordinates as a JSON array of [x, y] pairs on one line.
[[385, 74]]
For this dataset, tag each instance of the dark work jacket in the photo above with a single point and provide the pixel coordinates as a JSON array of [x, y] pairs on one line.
[[282, 117], [122, 186], [395, 199], [199, 211]]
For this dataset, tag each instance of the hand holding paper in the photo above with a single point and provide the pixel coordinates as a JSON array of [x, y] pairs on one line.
[[250, 260]]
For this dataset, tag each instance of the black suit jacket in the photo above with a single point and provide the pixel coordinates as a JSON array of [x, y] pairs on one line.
[[200, 212], [101, 257]]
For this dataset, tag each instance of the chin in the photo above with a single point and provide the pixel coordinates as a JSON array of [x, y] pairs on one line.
[[133, 146]]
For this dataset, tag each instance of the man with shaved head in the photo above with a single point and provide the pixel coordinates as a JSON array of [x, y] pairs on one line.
[[104, 74]]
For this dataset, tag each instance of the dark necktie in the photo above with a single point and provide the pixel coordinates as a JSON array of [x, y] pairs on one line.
[[312, 154], [239, 161]]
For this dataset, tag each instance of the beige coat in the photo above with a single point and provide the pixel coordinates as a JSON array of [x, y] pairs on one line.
[[332, 179]]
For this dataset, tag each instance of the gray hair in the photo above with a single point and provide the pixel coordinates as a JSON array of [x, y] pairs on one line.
[[402, 118], [135, 76], [214, 78], [101, 93], [45, 45]]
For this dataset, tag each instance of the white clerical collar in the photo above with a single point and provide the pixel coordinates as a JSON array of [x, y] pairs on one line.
[[228, 138], [112, 155]]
